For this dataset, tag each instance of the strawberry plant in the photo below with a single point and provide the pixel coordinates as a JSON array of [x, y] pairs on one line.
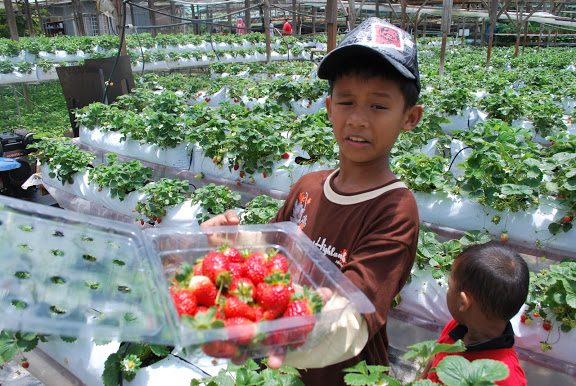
[[159, 196], [121, 177], [423, 173], [260, 210], [215, 199], [552, 296], [63, 160]]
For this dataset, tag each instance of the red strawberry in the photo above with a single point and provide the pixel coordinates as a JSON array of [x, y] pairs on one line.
[[232, 254], [255, 268], [234, 307], [201, 310], [536, 314], [215, 160], [142, 222], [240, 330], [198, 268], [159, 220], [205, 291], [185, 301], [504, 236], [236, 100], [220, 349], [207, 99], [547, 326], [264, 174], [258, 313], [243, 289], [567, 219], [235, 270], [273, 295], [277, 263], [522, 318], [214, 265], [238, 183], [236, 167], [304, 307], [286, 155], [242, 174], [25, 363]]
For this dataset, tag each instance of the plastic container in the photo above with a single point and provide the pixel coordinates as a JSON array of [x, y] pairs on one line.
[[77, 275]]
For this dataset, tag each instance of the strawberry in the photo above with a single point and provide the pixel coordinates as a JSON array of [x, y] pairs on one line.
[[286, 155], [273, 295], [236, 100], [207, 99], [303, 306], [545, 346], [238, 183], [252, 179], [185, 301], [236, 167], [235, 270], [536, 314], [198, 268], [257, 312], [255, 268], [214, 265], [142, 222], [240, 330], [547, 326], [504, 237], [242, 174], [243, 289], [277, 262], [264, 174], [25, 363], [205, 291], [234, 307], [522, 318], [567, 219], [159, 220], [215, 160], [232, 254], [220, 349]]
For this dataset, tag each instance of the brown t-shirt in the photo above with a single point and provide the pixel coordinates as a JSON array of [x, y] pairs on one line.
[[372, 236]]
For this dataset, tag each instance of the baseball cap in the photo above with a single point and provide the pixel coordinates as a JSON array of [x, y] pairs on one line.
[[375, 37]]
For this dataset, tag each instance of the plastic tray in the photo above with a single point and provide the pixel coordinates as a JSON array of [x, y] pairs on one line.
[[77, 275]]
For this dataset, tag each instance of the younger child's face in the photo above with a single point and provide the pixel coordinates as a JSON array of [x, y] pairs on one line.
[[367, 115]]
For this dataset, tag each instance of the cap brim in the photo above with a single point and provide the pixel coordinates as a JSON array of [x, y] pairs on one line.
[[334, 58]]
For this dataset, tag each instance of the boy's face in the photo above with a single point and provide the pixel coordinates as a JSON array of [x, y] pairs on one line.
[[367, 115]]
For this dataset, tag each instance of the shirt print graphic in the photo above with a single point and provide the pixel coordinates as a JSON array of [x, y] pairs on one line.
[[298, 211]]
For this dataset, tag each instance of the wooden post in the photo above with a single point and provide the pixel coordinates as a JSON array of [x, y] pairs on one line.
[[78, 19], [377, 10], [493, 12], [119, 26], [152, 17], [174, 29], [29, 21], [445, 28], [294, 26], [313, 21], [247, 21], [11, 19], [540, 37], [331, 24], [267, 30]]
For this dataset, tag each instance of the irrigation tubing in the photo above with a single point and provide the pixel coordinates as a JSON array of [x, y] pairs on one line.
[[122, 35]]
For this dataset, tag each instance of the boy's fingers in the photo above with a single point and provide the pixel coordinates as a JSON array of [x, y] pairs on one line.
[[228, 218]]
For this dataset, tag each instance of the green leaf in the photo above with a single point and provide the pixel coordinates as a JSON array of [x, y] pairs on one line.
[[112, 373], [455, 370], [161, 351], [360, 379]]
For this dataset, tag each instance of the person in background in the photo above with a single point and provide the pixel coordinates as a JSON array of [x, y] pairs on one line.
[[240, 27], [287, 28], [487, 287]]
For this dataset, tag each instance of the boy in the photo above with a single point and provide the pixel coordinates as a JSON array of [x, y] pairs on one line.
[[487, 287], [361, 216]]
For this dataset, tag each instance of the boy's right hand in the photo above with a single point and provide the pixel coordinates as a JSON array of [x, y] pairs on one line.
[[228, 218]]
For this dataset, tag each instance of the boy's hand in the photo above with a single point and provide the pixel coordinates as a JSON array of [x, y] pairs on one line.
[[228, 218]]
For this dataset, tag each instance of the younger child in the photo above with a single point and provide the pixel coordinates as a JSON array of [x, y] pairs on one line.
[[487, 287]]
